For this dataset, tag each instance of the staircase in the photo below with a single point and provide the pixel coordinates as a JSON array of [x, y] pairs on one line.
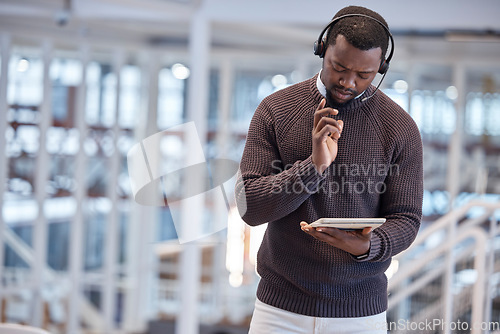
[[446, 281], [19, 288]]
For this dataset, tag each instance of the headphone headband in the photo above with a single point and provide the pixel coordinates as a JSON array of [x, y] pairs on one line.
[[319, 45]]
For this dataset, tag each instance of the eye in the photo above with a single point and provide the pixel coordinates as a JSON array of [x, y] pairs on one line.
[[338, 69]]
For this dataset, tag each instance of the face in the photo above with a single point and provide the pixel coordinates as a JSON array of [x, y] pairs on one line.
[[348, 71]]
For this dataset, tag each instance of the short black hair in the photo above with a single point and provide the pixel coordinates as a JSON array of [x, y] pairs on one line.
[[362, 32]]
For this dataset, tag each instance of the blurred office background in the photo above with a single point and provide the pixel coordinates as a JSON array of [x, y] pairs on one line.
[[82, 82]]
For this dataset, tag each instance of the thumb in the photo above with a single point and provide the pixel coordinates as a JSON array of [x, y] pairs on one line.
[[366, 230], [341, 124]]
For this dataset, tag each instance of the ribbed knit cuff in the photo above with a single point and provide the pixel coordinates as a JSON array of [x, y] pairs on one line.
[[375, 244], [309, 175]]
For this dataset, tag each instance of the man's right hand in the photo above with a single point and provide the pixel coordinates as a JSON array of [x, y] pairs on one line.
[[326, 132]]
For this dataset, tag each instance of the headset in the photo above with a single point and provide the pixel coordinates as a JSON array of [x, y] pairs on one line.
[[320, 48], [319, 45]]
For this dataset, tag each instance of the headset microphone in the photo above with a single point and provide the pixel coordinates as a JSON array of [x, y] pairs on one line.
[[380, 82]]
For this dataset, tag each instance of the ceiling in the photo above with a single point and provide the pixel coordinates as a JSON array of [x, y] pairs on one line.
[[298, 19], [245, 28], [401, 15]]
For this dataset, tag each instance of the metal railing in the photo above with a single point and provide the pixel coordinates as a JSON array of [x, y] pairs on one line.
[[465, 235], [20, 281]]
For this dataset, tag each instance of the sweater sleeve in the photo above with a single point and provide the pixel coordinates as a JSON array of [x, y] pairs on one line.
[[265, 190], [401, 202]]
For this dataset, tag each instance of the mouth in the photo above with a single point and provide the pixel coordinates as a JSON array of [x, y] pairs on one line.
[[342, 95]]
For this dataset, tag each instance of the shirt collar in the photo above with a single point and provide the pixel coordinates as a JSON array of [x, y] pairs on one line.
[[321, 86]]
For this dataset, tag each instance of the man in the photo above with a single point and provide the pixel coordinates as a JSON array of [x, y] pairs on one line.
[[331, 146]]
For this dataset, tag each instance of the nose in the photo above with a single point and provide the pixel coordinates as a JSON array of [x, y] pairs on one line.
[[347, 81]]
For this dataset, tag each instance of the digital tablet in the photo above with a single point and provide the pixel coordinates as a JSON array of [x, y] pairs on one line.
[[349, 223]]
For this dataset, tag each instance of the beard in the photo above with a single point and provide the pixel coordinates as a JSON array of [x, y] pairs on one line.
[[330, 100]]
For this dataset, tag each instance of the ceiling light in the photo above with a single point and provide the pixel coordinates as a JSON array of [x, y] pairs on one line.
[[452, 92], [180, 71], [279, 80], [23, 65], [400, 86]]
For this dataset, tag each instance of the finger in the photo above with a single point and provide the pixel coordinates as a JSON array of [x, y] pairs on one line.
[[321, 111], [320, 107], [329, 131], [305, 226], [335, 135], [341, 125], [331, 231], [328, 120], [322, 104], [318, 114], [323, 121], [323, 236], [366, 231]]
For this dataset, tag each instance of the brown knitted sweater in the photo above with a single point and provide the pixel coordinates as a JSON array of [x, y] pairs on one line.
[[377, 173]]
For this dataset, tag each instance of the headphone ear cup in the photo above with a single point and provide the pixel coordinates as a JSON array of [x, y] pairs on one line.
[[384, 66], [318, 49]]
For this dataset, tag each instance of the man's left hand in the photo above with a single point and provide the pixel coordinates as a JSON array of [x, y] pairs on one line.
[[356, 242]]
